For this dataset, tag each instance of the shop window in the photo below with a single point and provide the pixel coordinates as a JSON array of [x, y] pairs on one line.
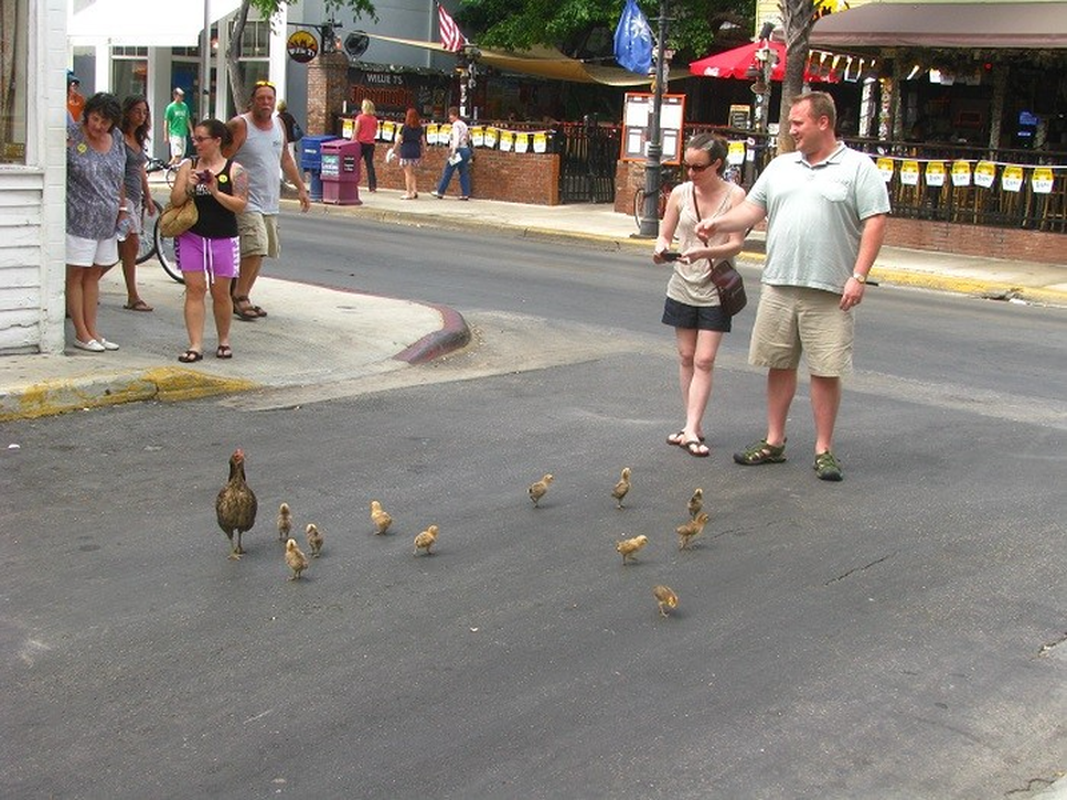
[[14, 32]]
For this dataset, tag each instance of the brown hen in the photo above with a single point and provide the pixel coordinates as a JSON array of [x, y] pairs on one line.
[[235, 507]]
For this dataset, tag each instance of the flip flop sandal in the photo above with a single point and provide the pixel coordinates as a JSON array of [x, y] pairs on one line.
[[259, 311], [678, 440], [697, 449], [224, 351], [139, 305], [190, 356]]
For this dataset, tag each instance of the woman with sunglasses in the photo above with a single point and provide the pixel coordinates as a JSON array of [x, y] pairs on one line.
[[692, 304], [208, 254]]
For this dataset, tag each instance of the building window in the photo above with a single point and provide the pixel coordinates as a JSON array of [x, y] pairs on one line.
[[14, 61], [129, 76]]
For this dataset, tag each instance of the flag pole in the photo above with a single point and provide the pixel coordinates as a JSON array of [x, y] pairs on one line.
[[649, 228]]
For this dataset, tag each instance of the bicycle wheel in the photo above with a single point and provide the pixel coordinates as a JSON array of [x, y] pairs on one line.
[[639, 207], [167, 258], [146, 242]]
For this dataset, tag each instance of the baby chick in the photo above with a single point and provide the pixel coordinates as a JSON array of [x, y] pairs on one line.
[[314, 540], [538, 489], [285, 522], [295, 559], [622, 487], [691, 529], [629, 547], [665, 598], [426, 540], [696, 502], [380, 518]]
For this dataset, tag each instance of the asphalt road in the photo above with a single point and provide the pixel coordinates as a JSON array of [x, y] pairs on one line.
[[899, 635]]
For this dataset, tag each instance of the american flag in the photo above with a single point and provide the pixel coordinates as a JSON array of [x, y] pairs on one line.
[[452, 39]]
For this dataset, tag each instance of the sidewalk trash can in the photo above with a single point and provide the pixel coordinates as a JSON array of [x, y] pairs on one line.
[[311, 162], [340, 172]]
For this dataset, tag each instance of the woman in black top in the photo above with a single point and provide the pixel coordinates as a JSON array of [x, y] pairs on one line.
[[409, 142], [209, 252]]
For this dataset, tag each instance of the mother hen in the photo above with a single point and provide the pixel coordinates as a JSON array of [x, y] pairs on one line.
[[235, 507]]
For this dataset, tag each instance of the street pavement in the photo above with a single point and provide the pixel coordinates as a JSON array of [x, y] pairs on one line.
[[318, 334]]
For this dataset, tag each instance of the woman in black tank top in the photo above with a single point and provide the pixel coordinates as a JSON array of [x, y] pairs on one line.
[[209, 252]]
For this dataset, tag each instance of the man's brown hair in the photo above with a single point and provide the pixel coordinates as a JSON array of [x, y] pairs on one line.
[[822, 105]]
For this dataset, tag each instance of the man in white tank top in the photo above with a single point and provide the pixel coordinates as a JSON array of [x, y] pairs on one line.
[[259, 145]]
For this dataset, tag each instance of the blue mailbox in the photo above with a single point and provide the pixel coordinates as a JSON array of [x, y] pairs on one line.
[[311, 161]]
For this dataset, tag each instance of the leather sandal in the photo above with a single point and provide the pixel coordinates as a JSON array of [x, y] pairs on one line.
[[248, 314]]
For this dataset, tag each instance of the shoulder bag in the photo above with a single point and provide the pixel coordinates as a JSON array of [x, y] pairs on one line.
[[176, 220], [727, 279]]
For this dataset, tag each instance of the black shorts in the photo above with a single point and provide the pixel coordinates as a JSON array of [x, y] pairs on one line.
[[703, 318]]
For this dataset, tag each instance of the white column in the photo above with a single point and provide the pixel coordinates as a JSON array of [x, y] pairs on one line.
[[102, 57]]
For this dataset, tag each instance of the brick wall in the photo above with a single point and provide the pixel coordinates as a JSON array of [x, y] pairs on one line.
[[512, 177], [1007, 243]]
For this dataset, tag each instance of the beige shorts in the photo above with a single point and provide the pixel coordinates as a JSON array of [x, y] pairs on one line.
[[259, 234], [794, 319]]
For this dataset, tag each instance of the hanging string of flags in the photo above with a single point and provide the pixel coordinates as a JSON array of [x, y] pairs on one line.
[[963, 172], [484, 136]]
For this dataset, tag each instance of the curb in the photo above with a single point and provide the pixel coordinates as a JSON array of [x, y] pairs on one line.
[[166, 384], [453, 335]]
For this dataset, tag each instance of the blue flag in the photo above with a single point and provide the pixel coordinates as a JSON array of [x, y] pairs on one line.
[[633, 40]]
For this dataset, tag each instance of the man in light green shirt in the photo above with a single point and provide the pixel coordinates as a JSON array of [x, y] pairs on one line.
[[176, 125]]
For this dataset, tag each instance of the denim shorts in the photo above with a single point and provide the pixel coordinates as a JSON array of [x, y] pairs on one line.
[[702, 318]]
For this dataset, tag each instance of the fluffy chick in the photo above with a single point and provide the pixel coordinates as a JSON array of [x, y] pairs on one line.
[[691, 529], [696, 503], [426, 540], [622, 487], [285, 522], [314, 540], [295, 559], [538, 489], [665, 598], [628, 547], [380, 518]]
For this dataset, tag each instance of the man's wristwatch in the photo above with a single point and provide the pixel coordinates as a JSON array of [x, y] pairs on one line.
[[860, 278]]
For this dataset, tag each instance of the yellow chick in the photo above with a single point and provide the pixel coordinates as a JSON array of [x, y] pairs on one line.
[[691, 529], [629, 547], [622, 487], [426, 540], [295, 559], [285, 522], [380, 518], [538, 489], [314, 540], [665, 598], [696, 502]]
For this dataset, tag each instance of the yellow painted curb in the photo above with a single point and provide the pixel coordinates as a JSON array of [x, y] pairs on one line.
[[168, 384]]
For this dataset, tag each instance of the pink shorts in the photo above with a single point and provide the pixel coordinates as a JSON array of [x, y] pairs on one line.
[[219, 258]]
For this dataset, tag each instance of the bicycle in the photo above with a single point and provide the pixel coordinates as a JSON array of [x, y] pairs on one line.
[[159, 165], [151, 242], [668, 180]]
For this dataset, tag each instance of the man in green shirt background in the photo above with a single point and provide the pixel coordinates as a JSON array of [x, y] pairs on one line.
[[176, 125]]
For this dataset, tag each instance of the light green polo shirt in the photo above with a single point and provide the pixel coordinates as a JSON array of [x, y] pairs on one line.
[[815, 216]]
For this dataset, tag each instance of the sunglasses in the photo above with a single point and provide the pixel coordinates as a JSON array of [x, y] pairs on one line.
[[265, 83], [695, 167], [199, 139]]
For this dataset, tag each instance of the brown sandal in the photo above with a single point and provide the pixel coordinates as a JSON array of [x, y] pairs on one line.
[[248, 314]]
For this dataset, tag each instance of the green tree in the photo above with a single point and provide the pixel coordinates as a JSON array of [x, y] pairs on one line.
[[267, 9], [585, 28]]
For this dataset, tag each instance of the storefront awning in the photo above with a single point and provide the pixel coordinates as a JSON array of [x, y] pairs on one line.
[[123, 22], [542, 61], [994, 25]]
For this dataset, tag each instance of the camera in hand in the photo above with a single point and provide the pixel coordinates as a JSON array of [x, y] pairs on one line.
[[670, 255]]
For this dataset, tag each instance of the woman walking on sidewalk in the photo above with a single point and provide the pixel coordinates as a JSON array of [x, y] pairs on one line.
[[408, 143], [209, 252], [459, 157]]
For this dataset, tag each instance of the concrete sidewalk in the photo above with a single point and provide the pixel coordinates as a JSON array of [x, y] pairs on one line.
[[338, 335]]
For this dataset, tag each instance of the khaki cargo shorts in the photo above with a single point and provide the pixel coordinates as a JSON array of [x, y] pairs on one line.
[[793, 319], [259, 234]]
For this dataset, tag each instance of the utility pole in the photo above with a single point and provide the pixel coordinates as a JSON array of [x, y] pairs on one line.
[[654, 156]]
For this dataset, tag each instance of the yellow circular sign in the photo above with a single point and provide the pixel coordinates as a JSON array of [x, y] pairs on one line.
[[302, 46]]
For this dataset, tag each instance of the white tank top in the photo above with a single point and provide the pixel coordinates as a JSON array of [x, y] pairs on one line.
[[260, 155]]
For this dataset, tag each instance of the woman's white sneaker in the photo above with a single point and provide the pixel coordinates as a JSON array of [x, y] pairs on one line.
[[92, 346], [108, 345]]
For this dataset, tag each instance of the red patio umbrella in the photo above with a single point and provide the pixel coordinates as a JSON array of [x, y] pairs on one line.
[[737, 62]]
